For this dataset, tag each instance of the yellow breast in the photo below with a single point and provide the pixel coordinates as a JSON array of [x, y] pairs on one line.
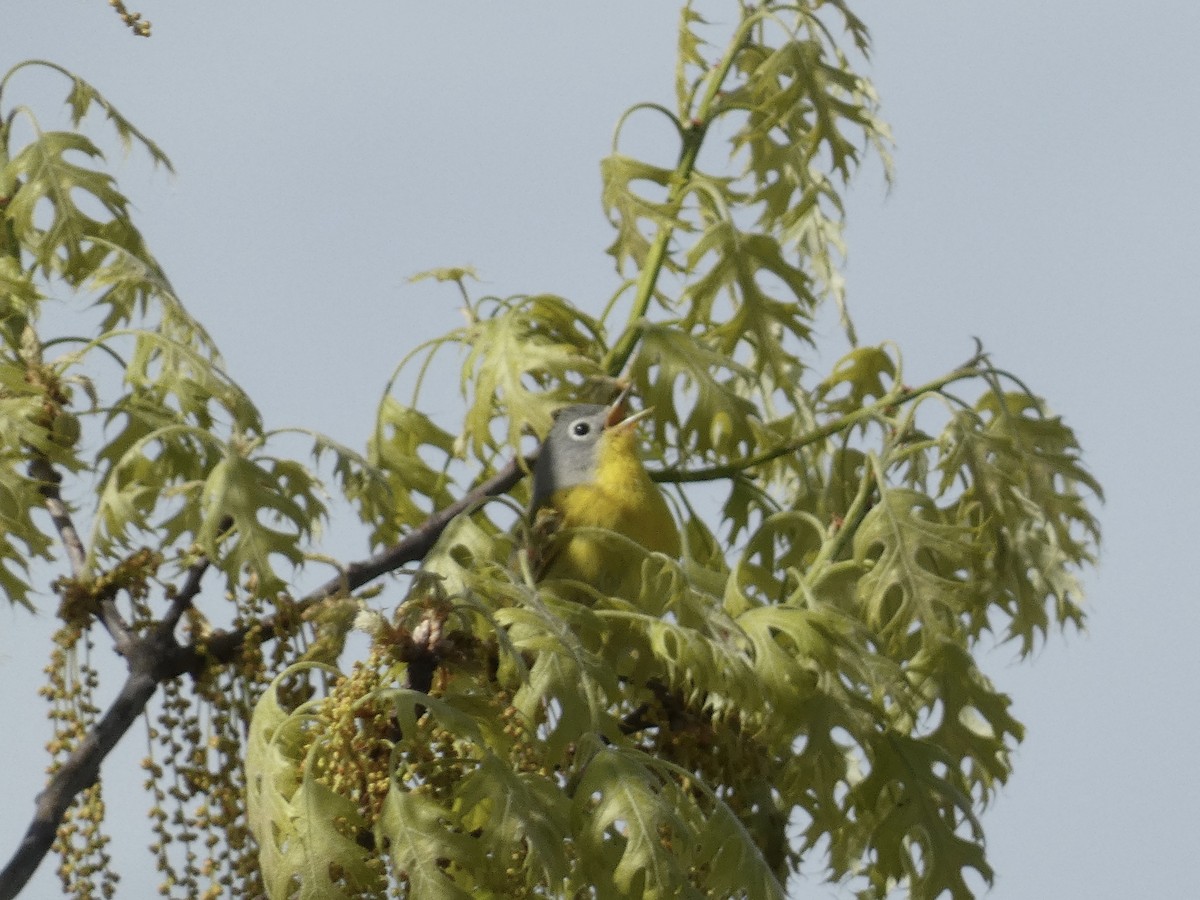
[[621, 498]]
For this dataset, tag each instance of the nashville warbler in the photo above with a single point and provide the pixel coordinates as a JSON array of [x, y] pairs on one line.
[[589, 475]]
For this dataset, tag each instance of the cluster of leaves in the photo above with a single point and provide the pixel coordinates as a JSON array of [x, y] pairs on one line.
[[181, 457], [803, 680], [816, 691], [800, 683], [471, 790], [139, 414]]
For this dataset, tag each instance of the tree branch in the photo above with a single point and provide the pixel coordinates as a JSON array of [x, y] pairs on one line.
[[225, 646], [82, 768], [716, 473], [144, 655], [182, 600]]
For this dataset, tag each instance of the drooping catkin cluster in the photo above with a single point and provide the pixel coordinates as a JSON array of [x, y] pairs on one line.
[[357, 737], [85, 867], [202, 845]]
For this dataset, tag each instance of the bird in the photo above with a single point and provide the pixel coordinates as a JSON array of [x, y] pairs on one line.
[[589, 475]]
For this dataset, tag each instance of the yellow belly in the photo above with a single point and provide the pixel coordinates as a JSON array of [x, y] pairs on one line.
[[624, 500]]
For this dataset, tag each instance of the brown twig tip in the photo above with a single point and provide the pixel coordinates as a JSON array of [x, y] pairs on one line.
[[139, 26], [181, 602]]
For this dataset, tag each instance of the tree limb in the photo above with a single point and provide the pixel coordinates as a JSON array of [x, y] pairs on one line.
[[143, 655], [225, 646], [82, 768]]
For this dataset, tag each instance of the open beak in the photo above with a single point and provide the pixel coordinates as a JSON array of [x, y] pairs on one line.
[[617, 417]]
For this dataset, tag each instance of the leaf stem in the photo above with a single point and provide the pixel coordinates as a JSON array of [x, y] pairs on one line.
[[692, 132], [857, 511]]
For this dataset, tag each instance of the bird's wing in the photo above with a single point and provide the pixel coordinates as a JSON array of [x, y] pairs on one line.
[[543, 548]]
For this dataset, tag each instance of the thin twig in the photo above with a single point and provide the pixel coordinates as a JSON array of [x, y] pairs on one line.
[[182, 601], [114, 623], [717, 473], [109, 615], [636, 720], [43, 472]]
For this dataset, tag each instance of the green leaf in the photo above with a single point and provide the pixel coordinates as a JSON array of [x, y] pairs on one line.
[[81, 98], [19, 497], [769, 567], [149, 462], [519, 811], [566, 677], [19, 299], [731, 858], [24, 429], [671, 365], [457, 274], [1025, 488], [423, 841], [398, 451], [755, 331], [245, 509], [710, 671], [919, 566], [306, 832], [690, 63], [170, 371], [805, 111], [629, 211], [67, 243], [865, 374], [132, 285], [975, 725], [915, 815], [240, 495], [621, 805], [528, 357]]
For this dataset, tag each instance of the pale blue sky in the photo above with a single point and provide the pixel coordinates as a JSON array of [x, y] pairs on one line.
[[1047, 199]]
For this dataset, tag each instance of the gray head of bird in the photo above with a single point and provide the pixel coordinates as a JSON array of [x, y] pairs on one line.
[[569, 454]]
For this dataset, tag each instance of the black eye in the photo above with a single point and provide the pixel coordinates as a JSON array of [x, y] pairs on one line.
[[581, 429]]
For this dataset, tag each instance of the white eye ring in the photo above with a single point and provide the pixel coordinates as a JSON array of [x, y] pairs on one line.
[[580, 429]]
